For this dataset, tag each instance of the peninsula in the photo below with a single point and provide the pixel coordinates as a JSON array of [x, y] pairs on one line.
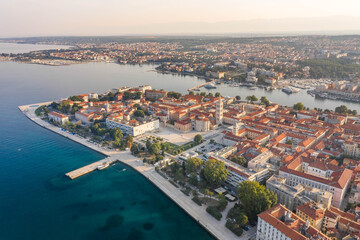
[[225, 161]]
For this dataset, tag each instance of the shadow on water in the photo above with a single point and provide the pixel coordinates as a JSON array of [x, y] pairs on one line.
[[148, 226], [59, 182], [113, 221]]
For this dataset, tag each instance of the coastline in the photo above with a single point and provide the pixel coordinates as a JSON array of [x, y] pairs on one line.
[[148, 171]]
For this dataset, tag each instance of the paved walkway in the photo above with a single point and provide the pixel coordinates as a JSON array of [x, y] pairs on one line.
[[215, 227]]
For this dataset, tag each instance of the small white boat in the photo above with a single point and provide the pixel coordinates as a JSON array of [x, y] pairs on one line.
[[103, 166]]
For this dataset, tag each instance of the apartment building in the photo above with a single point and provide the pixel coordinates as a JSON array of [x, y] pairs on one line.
[[133, 129], [280, 223], [318, 174], [58, 117]]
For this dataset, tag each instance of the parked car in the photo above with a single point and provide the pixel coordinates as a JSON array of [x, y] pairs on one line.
[[246, 228]]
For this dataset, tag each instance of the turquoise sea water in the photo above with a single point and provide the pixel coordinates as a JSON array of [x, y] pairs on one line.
[[38, 202]]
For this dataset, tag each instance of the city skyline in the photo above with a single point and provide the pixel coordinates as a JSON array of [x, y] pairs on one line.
[[95, 18]]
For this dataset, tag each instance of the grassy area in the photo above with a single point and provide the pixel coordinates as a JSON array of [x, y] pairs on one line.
[[175, 149]]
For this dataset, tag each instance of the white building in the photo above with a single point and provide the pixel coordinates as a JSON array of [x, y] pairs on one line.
[[136, 130], [319, 175], [93, 96], [202, 124], [352, 148], [58, 117]]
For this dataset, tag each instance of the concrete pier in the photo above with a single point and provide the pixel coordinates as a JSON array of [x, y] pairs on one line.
[[91, 167]]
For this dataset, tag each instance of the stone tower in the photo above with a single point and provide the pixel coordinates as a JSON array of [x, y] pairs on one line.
[[219, 111]]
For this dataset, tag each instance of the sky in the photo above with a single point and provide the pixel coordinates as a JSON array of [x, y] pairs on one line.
[[22, 18]]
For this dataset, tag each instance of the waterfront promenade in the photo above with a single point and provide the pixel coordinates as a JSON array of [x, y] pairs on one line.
[[216, 228]]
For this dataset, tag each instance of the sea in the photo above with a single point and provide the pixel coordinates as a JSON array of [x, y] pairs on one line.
[[39, 202]]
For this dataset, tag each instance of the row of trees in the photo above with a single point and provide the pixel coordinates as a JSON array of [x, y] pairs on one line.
[[217, 94], [132, 95], [340, 109], [76, 99], [64, 107], [344, 110], [174, 95]]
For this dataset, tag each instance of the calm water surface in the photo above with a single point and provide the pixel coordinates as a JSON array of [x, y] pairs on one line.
[[38, 202], [24, 48]]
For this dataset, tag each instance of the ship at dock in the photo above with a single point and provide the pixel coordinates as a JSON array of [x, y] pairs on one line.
[[290, 90], [210, 86]]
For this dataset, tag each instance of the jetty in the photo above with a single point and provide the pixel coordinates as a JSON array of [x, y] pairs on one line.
[[201, 85], [91, 167]]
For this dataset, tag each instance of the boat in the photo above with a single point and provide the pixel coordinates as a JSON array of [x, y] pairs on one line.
[[103, 166], [290, 90], [253, 88], [209, 86], [332, 97]]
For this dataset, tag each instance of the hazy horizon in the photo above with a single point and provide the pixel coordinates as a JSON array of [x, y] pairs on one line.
[[22, 18]]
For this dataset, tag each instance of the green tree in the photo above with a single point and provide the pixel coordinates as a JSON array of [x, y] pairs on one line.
[[253, 98], [174, 95], [76, 98], [255, 198], [210, 95], [265, 101], [116, 134], [238, 214], [129, 141], [155, 148], [193, 179], [239, 160], [198, 139], [134, 149], [139, 113], [75, 108], [193, 165], [299, 106], [289, 142], [341, 109], [148, 144], [191, 93], [215, 172], [238, 98], [217, 94]]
